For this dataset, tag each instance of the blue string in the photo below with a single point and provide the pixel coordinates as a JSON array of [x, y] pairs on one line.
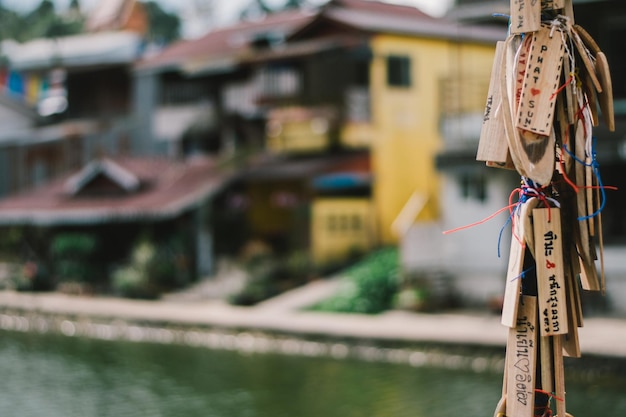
[[523, 274], [509, 220], [595, 165]]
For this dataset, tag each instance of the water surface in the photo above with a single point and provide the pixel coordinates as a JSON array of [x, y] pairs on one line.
[[52, 375]]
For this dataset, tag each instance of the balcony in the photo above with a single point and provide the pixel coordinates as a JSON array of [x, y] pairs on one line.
[[301, 129], [462, 106]]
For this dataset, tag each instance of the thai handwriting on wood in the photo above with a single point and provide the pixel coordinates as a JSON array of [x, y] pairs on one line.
[[525, 16], [550, 271], [543, 72], [521, 360]]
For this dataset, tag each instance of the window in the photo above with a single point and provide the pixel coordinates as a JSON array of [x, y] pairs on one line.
[[473, 186], [398, 71]]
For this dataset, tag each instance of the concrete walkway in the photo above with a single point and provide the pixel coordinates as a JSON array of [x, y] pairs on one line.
[[284, 314]]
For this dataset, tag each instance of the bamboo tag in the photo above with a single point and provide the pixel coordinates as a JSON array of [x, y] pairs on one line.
[[525, 16], [550, 271], [584, 54], [493, 146], [521, 360], [543, 72], [606, 95]]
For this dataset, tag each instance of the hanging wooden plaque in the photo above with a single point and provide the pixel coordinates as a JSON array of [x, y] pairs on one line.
[[493, 145], [606, 95], [543, 73], [525, 16], [513, 276], [521, 359], [551, 294]]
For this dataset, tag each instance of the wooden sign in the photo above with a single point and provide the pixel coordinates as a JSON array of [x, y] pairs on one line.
[[551, 293], [541, 82], [525, 16], [521, 360], [513, 277], [606, 95], [589, 66], [569, 10], [493, 146], [521, 239]]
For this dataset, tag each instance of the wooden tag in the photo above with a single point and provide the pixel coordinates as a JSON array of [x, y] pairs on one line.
[[538, 155], [513, 275], [543, 73], [546, 365], [592, 100], [550, 271], [589, 276], [570, 93], [493, 146], [532, 154], [568, 11], [585, 56], [507, 88], [588, 41], [606, 95], [525, 16], [521, 360], [571, 343], [559, 376], [582, 238]]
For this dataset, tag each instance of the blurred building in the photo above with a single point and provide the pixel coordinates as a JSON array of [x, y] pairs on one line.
[[342, 108], [75, 93]]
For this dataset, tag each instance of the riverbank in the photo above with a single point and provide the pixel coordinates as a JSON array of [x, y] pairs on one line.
[[283, 315]]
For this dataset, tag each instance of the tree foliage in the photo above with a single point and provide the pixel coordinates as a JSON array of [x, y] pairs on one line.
[[164, 27], [44, 22]]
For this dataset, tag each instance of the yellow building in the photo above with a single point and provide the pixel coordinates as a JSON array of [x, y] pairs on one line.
[[388, 79], [355, 78], [419, 84]]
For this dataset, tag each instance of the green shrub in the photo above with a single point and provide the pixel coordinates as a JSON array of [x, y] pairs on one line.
[[369, 286], [270, 275], [151, 271], [74, 257]]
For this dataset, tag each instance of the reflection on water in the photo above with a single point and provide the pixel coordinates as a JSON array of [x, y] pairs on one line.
[[48, 375]]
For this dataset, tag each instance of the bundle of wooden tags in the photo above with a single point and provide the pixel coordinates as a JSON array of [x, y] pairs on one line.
[[550, 83]]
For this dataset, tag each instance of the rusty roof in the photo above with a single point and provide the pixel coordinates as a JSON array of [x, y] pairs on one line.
[[169, 189]]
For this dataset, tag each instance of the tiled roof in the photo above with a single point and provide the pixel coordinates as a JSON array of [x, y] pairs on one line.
[[169, 188]]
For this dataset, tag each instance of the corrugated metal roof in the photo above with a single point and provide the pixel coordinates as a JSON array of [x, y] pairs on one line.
[[226, 42], [77, 51], [172, 188]]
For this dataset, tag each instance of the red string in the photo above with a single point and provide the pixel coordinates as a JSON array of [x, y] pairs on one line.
[[485, 220], [561, 88]]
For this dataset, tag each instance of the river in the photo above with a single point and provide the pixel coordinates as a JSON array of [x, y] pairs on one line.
[[53, 375]]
